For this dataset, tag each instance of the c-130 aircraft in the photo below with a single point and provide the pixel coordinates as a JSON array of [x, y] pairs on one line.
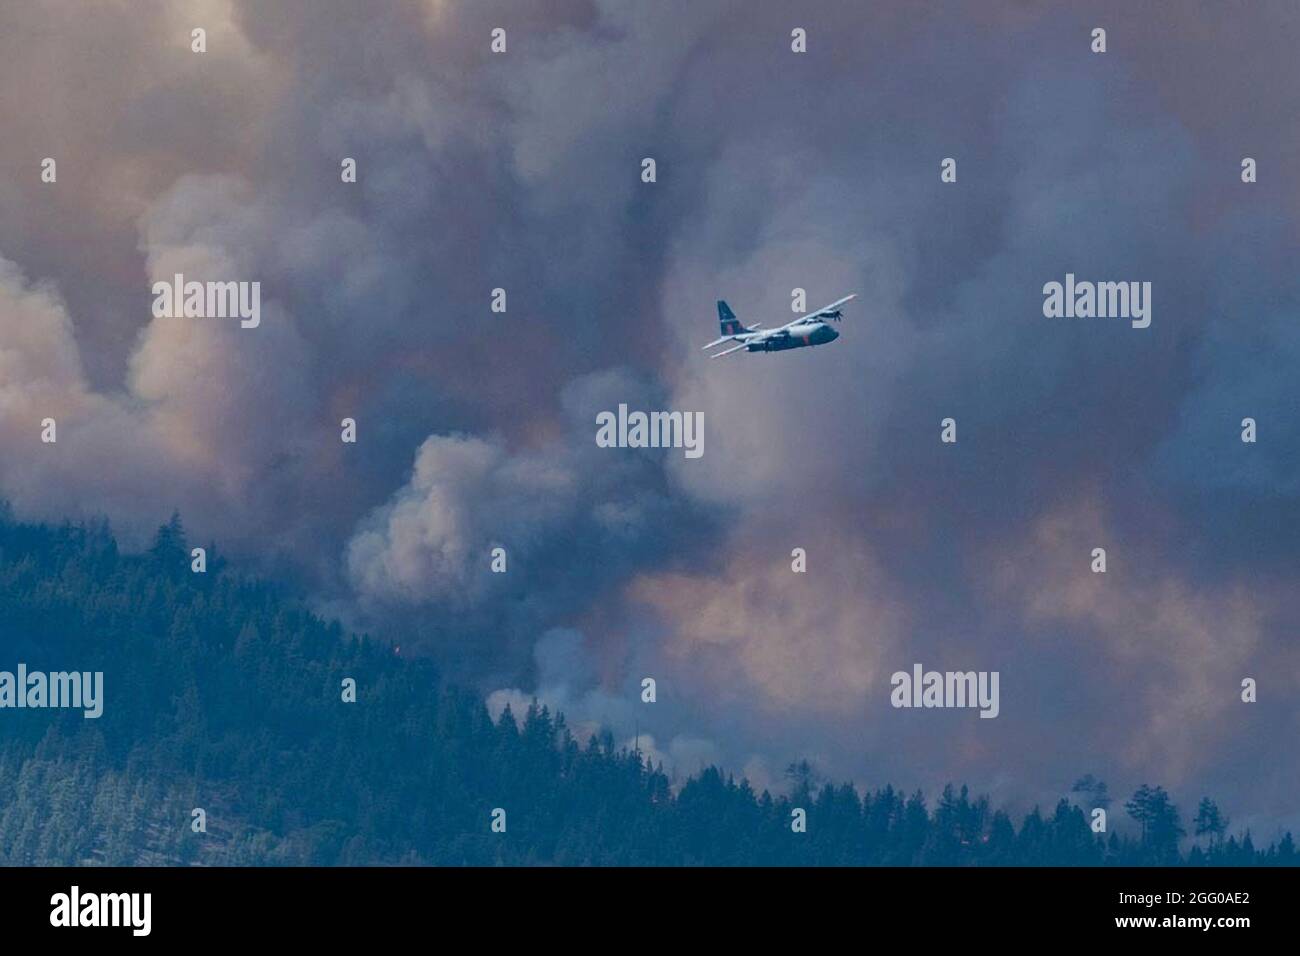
[[814, 328]]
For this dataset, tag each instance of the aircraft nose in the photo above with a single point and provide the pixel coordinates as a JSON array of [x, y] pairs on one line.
[[834, 334]]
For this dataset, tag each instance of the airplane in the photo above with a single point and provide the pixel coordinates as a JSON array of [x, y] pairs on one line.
[[811, 329]]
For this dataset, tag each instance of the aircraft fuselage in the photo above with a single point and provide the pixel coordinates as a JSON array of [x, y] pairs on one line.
[[797, 338]]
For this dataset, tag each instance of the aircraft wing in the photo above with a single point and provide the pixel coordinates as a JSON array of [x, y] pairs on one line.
[[822, 311], [734, 348]]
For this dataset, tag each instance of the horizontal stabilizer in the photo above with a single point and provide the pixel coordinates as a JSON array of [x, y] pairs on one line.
[[734, 348]]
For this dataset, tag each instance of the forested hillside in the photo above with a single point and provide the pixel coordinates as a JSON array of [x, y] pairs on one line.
[[223, 694]]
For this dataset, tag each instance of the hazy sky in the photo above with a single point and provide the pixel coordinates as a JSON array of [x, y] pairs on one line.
[[775, 170]]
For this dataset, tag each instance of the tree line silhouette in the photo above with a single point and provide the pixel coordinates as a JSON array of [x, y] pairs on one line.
[[223, 693]]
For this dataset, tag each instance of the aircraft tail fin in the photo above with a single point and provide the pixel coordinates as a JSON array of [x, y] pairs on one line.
[[727, 321]]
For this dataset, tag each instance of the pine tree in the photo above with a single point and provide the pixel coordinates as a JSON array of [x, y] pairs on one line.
[[1209, 821], [169, 546]]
